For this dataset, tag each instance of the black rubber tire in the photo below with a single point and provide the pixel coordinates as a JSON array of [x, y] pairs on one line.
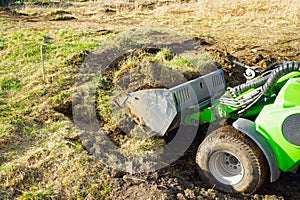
[[251, 159]]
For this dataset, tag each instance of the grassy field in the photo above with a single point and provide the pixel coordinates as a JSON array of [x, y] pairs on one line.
[[29, 158], [41, 156]]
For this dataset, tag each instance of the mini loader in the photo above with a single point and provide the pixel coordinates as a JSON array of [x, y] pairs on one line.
[[262, 138]]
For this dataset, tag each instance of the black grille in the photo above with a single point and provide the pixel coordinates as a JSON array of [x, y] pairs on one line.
[[291, 129], [183, 95], [217, 80]]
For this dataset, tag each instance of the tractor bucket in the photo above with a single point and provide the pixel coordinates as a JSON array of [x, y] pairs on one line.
[[154, 108], [158, 108]]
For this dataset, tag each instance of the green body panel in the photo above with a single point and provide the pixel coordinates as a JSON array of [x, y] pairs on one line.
[[202, 113], [281, 82], [271, 118], [270, 114], [205, 116]]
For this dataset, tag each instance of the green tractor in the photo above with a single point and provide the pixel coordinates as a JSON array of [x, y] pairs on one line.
[[262, 138]]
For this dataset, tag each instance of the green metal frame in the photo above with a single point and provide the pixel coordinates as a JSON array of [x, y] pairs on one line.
[[269, 117]]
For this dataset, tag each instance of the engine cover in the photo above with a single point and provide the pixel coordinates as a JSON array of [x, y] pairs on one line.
[[279, 123]]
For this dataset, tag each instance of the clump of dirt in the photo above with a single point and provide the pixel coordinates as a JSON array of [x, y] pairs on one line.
[[77, 59], [60, 15], [62, 18], [143, 70], [64, 108], [139, 70]]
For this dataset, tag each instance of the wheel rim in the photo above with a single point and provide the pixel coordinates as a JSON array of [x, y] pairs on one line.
[[226, 168]]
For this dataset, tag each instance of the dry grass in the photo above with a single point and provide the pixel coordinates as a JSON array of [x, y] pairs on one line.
[[260, 22], [253, 9], [256, 10]]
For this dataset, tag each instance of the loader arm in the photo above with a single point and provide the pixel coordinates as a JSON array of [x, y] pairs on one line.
[[162, 110]]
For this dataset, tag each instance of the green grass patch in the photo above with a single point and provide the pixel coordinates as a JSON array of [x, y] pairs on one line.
[[9, 83], [3, 44], [4, 20], [36, 194]]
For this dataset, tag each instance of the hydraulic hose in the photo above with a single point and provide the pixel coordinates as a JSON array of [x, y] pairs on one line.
[[235, 91], [275, 67], [272, 66], [280, 71], [277, 73]]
